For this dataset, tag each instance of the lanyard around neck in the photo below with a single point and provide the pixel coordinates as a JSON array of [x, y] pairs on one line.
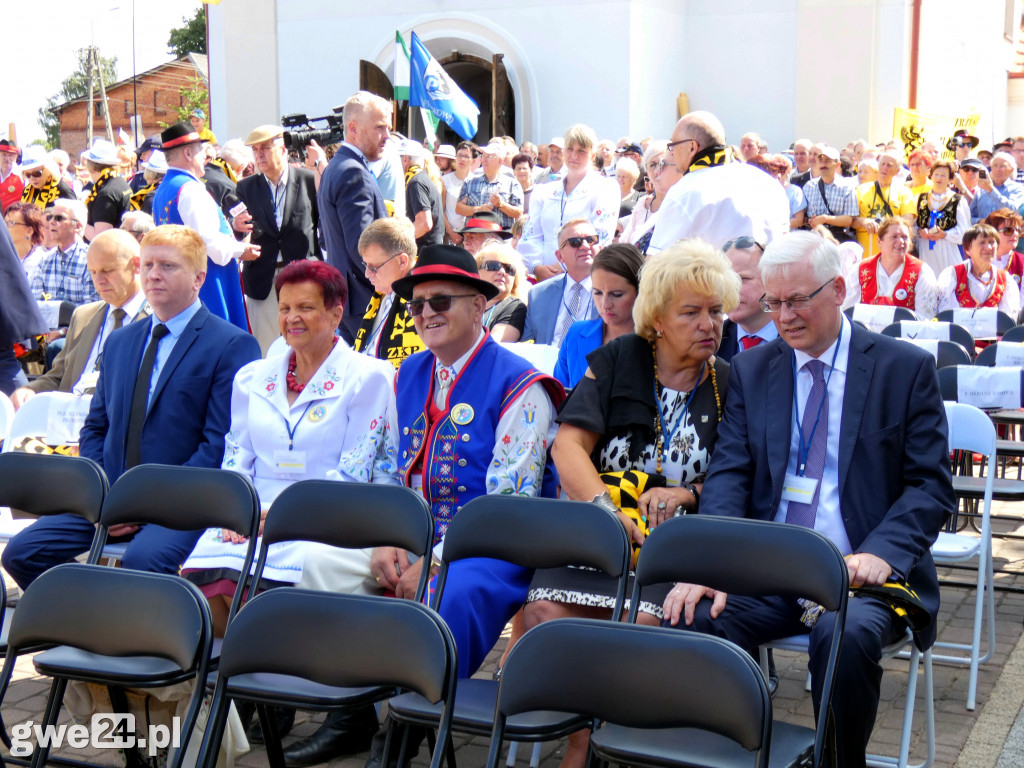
[[804, 449]]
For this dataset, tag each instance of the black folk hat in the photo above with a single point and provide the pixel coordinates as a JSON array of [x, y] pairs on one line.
[[178, 135], [486, 222], [444, 262]]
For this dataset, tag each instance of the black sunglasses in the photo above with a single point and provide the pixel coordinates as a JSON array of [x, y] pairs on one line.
[[32, 174], [495, 266], [576, 242], [58, 217], [437, 303], [742, 243]]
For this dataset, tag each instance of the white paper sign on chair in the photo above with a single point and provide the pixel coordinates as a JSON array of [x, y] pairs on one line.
[[982, 322], [1010, 353], [874, 316], [919, 329], [931, 346], [985, 387], [65, 418]]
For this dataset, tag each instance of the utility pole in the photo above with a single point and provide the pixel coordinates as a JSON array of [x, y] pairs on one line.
[[88, 111], [93, 65]]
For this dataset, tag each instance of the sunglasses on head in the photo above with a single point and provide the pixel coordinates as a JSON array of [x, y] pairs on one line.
[[495, 266], [742, 243], [32, 174], [576, 242], [437, 303]]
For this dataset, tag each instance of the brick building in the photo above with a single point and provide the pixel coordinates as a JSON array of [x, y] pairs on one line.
[[159, 91]]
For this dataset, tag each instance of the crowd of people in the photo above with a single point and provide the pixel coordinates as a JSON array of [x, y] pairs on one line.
[[345, 316]]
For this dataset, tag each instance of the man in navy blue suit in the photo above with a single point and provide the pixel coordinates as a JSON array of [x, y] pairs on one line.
[[349, 199], [560, 301], [748, 325], [866, 465], [163, 397]]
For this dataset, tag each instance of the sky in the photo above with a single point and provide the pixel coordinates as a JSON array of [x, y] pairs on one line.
[[45, 39]]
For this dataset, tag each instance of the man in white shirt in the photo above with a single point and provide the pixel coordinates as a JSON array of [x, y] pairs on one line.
[[557, 303], [716, 198], [113, 260]]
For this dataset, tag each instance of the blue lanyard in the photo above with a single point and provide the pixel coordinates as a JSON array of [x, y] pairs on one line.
[[802, 449], [666, 445], [569, 312], [292, 430]]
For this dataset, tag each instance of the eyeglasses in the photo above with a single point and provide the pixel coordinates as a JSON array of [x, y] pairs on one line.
[[660, 166], [968, 169], [58, 217], [742, 243], [1010, 230], [32, 174], [795, 303], [495, 266], [437, 303], [15, 224], [576, 242], [373, 270], [673, 144]]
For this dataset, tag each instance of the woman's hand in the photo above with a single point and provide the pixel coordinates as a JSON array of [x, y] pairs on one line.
[[660, 504], [231, 537]]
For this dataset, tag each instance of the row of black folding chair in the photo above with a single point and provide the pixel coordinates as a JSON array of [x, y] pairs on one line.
[[952, 333]]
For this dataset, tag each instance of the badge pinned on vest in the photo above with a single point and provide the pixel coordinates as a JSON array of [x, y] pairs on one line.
[[462, 414], [901, 294], [317, 414]]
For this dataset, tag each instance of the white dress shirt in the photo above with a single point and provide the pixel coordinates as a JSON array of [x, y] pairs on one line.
[[829, 518], [582, 313], [131, 308]]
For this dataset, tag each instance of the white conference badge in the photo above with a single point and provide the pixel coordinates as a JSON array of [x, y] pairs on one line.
[[799, 489]]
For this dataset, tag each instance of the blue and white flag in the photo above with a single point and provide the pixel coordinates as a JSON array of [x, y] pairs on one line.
[[431, 87]]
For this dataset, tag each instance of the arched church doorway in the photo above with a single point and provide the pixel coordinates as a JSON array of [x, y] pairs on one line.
[[486, 82]]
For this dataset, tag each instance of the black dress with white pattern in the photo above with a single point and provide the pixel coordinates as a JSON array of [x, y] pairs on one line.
[[618, 404]]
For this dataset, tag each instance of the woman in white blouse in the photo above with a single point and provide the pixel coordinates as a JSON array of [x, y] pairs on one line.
[[584, 193], [319, 411], [977, 282]]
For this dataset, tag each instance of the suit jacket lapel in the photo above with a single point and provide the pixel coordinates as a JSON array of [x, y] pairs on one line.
[[186, 340], [265, 201], [290, 194], [779, 415], [858, 381], [86, 340], [135, 360]]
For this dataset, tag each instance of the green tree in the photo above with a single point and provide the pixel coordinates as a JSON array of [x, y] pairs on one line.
[[194, 96], [74, 87], [190, 37]]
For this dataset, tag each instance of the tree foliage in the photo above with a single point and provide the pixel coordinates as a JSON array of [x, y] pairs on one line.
[[190, 37], [76, 86]]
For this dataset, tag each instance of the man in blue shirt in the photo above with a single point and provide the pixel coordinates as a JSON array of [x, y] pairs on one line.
[[997, 189]]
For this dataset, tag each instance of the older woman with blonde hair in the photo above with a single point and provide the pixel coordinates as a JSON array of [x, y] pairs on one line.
[[505, 314], [644, 418]]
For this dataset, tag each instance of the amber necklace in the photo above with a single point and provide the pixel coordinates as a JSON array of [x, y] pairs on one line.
[[661, 420]]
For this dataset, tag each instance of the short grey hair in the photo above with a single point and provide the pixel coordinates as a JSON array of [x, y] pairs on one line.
[[1007, 157], [705, 128], [75, 207], [628, 165], [235, 153], [654, 149], [799, 247]]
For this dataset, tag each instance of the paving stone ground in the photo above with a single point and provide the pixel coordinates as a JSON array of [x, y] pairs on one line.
[[990, 737]]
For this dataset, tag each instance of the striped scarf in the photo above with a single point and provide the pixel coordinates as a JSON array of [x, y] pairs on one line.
[[226, 168], [140, 197], [709, 158], [413, 170], [110, 172], [41, 198]]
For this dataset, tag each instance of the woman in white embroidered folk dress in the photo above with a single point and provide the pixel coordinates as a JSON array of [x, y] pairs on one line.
[[319, 411]]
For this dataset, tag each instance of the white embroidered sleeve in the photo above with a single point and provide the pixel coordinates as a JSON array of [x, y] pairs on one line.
[[521, 443]]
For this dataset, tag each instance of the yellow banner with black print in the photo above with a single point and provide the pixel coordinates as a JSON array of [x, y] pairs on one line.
[[914, 128]]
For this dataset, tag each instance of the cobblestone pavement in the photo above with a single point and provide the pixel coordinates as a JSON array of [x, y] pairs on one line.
[[990, 737]]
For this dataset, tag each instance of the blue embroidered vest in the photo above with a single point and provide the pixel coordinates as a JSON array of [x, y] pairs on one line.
[[455, 457]]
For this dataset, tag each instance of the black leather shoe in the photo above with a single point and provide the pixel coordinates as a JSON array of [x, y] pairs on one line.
[[285, 718], [342, 733], [376, 758]]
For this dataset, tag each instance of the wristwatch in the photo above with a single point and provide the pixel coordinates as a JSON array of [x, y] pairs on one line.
[[696, 494]]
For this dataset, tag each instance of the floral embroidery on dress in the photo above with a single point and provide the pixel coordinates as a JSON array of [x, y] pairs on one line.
[[231, 450], [325, 382], [271, 382]]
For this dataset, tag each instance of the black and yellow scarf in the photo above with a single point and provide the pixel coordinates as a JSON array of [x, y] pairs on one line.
[[110, 172], [398, 338], [709, 158], [413, 170], [140, 197], [222, 164], [41, 198]]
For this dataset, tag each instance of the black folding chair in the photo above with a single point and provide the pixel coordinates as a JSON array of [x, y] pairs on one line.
[[946, 353], [311, 645], [112, 627], [932, 330], [1015, 334], [184, 499], [706, 692], [896, 314], [745, 557], [533, 533], [1004, 323]]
